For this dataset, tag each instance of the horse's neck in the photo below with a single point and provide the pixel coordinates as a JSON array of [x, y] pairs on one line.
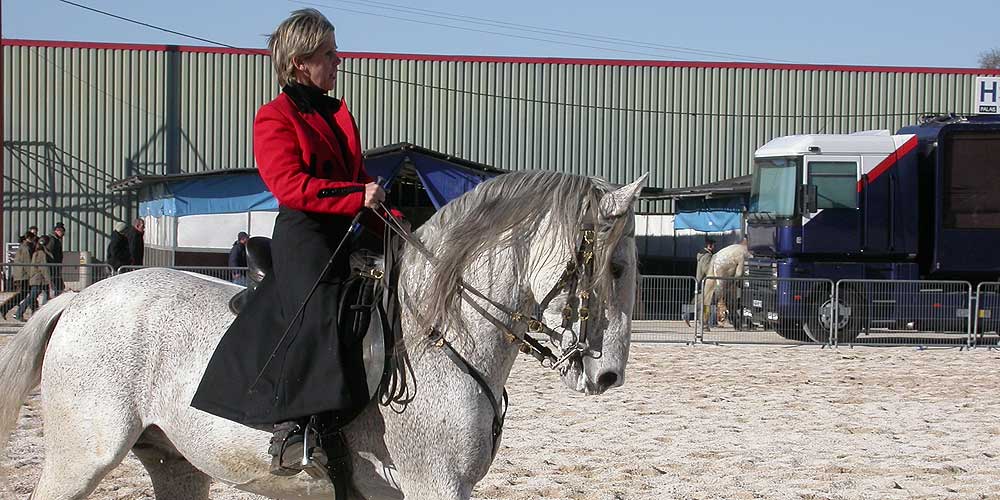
[[478, 341], [484, 343], [518, 285]]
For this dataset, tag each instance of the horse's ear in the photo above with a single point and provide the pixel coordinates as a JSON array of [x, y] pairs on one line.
[[616, 203]]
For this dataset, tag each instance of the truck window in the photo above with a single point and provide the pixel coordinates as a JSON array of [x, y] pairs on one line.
[[971, 181], [773, 188], [836, 183]]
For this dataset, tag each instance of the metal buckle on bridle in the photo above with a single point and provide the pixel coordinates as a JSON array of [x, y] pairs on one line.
[[578, 349]]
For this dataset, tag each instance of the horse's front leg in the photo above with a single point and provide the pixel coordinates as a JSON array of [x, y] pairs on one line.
[[441, 443]]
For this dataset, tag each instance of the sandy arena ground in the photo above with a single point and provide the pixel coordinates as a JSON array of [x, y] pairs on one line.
[[714, 422]]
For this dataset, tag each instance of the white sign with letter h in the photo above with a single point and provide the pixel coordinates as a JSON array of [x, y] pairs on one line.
[[987, 93]]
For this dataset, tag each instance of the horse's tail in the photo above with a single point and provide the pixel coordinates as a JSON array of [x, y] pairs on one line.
[[21, 361]]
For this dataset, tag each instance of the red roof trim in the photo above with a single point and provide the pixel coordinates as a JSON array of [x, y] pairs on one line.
[[129, 46], [518, 60]]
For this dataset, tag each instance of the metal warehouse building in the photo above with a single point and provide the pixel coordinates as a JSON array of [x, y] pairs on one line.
[[79, 116]]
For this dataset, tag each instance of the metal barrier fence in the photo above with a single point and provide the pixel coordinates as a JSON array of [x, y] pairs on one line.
[[887, 312], [74, 277], [35, 284], [232, 274], [986, 329], [740, 310], [766, 311], [665, 309]]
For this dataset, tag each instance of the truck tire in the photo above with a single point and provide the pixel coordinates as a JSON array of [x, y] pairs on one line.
[[814, 326], [819, 316], [850, 321]]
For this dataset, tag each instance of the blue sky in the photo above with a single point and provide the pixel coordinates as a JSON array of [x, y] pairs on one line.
[[885, 32]]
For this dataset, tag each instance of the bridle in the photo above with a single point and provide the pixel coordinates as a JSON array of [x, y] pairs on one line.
[[577, 281]]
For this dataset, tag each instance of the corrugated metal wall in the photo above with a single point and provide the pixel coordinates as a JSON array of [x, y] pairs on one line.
[[77, 119]]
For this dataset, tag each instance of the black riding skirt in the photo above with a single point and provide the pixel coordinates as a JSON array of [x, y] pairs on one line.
[[315, 369]]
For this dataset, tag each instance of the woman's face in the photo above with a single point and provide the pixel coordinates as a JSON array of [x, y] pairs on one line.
[[320, 69]]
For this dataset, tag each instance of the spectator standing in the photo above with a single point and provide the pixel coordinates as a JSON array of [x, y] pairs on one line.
[[33, 230], [20, 273], [55, 248], [136, 247], [705, 256], [40, 279], [118, 250], [238, 258], [704, 260]]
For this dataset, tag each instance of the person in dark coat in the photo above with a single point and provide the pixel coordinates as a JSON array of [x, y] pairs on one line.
[[308, 151], [55, 248], [136, 247], [238, 258], [118, 253]]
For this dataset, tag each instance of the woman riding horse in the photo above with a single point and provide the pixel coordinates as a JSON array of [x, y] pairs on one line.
[[308, 151]]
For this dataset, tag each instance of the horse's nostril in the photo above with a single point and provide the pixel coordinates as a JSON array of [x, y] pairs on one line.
[[607, 379]]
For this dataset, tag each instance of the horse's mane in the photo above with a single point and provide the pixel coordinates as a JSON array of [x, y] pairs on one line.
[[506, 212]]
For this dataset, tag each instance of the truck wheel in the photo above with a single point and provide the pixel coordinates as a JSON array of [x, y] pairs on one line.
[[819, 316], [853, 315], [821, 311]]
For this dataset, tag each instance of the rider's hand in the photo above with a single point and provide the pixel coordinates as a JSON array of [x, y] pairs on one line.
[[373, 195]]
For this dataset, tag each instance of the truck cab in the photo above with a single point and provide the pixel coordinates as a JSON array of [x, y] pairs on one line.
[[827, 198]]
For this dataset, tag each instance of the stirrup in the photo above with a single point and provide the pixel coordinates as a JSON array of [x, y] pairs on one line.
[[296, 448]]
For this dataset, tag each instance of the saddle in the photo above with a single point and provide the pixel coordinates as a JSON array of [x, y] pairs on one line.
[[259, 265], [367, 309]]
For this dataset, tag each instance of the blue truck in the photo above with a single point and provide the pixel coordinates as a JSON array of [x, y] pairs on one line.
[[923, 203]]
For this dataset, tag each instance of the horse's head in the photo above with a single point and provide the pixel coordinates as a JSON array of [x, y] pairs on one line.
[[592, 297], [525, 241]]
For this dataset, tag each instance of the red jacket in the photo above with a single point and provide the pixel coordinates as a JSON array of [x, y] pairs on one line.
[[300, 159]]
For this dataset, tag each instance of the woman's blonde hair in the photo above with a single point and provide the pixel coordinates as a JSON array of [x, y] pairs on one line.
[[299, 36]]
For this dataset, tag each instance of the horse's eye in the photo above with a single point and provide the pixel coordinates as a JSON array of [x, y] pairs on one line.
[[617, 270]]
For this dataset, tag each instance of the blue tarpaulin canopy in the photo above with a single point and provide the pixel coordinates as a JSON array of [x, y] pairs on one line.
[[711, 208], [210, 195], [710, 214], [443, 177]]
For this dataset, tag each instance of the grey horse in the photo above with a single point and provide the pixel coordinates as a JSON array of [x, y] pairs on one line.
[[119, 362]]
